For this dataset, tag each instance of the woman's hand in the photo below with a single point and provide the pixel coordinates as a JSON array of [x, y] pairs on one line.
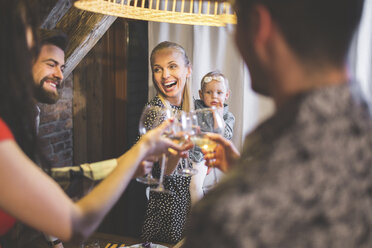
[[144, 168], [174, 158], [225, 154]]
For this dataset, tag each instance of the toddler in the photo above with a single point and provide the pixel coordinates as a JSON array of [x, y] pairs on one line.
[[214, 91]]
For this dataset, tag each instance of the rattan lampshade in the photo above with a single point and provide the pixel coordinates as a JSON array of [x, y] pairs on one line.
[[194, 12]]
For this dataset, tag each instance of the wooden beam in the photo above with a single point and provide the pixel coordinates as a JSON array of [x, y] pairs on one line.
[[56, 12], [83, 28]]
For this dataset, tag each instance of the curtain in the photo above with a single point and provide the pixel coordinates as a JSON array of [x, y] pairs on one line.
[[360, 57]]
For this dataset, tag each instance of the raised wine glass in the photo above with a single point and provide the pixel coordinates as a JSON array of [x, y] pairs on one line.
[[183, 129], [208, 120], [152, 116]]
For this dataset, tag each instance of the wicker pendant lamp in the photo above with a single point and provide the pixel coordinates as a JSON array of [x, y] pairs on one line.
[[194, 12]]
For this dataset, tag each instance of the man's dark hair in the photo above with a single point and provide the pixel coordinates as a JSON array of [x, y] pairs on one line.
[[53, 37], [316, 30]]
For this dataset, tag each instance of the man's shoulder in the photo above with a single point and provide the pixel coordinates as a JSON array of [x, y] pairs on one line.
[[234, 186], [296, 165]]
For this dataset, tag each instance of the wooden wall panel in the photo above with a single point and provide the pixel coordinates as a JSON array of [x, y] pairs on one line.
[[94, 123], [121, 97], [127, 216], [110, 81], [99, 99], [79, 117]]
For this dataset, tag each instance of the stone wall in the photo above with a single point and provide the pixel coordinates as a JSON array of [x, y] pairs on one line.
[[56, 127]]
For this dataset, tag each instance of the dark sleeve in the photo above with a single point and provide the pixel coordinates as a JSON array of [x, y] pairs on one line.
[[206, 226], [22, 235], [297, 206], [229, 125]]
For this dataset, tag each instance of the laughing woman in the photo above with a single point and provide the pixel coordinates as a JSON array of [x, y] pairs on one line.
[[166, 213]]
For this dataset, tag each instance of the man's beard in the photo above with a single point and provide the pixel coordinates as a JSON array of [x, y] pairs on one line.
[[44, 96]]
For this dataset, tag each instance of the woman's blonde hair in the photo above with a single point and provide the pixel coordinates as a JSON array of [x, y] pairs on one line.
[[187, 101]]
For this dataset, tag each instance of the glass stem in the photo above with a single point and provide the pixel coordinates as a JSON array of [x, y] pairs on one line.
[[162, 168], [215, 175]]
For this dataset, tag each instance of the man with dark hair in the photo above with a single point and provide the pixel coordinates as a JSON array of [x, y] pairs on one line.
[[304, 178], [48, 67]]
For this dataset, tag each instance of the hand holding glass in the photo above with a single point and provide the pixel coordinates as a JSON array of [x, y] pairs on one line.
[[152, 117], [208, 120], [184, 129]]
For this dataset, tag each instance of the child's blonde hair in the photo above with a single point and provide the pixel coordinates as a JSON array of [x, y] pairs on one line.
[[214, 75]]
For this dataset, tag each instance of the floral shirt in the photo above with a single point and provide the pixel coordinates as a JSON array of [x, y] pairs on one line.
[[304, 180]]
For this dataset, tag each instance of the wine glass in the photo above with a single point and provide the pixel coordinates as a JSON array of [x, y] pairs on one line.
[[165, 114], [152, 116], [183, 129], [208, 120]]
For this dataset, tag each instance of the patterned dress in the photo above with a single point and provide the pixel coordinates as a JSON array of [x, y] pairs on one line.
[[166, 213], [304, 180]]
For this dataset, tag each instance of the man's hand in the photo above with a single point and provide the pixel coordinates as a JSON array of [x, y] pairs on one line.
[[225, 154]]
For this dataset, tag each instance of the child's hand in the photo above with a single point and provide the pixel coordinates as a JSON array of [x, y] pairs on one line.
[[220, 109]]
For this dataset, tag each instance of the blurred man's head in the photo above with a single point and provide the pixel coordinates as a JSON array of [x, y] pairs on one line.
[[48, 67], [317, 32]]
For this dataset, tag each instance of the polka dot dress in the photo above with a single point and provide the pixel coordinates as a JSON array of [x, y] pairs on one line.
[[166, 213]]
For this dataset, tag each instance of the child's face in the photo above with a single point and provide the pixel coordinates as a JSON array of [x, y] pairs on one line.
[[214, 94]]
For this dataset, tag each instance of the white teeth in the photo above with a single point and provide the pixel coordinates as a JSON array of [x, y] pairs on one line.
[[167, 84], [53, 85]]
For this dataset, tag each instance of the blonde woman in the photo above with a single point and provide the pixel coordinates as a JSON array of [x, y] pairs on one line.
[[166, 213]]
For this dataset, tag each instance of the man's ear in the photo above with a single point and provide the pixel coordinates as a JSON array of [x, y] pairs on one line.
[[201, 94], [264, 23], [263, 29]]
